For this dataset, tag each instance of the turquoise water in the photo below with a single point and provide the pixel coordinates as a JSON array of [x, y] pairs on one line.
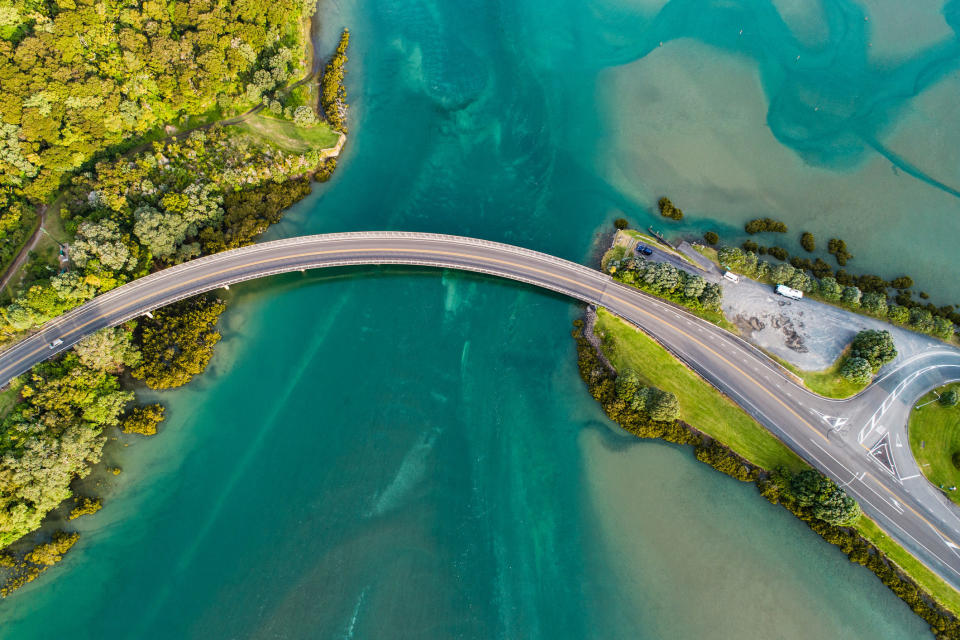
[[396, 453]]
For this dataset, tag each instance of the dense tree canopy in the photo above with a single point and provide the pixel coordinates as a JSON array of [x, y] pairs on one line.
[[664, 279], [81, 76], [108, 349], [143, 420], [178, 342], [829, 503], [52, 437], [85, 83], [874, 346]]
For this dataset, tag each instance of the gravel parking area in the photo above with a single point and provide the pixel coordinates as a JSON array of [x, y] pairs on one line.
[[806, 333]]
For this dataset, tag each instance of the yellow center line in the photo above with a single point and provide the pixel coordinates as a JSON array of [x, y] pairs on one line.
[[522, 267], [912, 510], [600, 293]]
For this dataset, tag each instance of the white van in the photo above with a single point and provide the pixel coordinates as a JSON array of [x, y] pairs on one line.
[[787, 292], [731, 276]]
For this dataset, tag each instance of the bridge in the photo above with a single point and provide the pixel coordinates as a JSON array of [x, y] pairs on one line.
[[856, 441]]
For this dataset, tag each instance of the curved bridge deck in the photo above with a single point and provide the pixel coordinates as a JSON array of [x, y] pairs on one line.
[[920, 519]]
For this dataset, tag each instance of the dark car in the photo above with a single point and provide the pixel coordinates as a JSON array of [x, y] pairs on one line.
[[644, 249]]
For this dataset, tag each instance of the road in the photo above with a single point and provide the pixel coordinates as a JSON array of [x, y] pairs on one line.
[[853, 441]]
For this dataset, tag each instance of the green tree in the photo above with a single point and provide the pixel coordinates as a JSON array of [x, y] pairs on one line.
[[613, 256], [711, 237], [851, 297], [178, 342], [808, 242], [333, 93], [874, 346], [143, 420], [942, 328], [760, 225], [712, 296], [85, 506], [824, 498], [830, 289], [52, 552], [949, 398], [903, 282], [782, 273], [856, 370], [101, 241], [802, 281], [661, 406], [621, 223], [109, 349], [668, 210], [304, 116], [898, 314], [921, 320], [875, 303]]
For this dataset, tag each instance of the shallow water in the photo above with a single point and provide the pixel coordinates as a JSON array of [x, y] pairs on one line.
[[391, 453]]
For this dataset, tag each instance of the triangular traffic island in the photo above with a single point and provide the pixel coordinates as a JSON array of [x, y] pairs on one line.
[[883, 455]]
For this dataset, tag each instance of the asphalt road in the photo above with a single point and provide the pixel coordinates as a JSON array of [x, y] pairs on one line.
[[836, 437]]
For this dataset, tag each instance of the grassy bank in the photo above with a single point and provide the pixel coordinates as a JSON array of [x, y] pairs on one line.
[[706, 409], [934, 438], [927, 579], [828, 382], [288, 136], [702, 406]]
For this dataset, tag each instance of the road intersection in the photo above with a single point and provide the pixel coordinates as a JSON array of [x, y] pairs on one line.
[[859, 442]]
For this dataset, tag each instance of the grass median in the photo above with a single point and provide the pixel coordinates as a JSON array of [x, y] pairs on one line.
[[828, 382], [935, 439]]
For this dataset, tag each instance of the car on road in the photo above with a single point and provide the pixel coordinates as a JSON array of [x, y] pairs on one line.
[[644, 249], [56, 343]]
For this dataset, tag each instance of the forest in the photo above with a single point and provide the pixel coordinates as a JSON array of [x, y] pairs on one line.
[[122, 124]]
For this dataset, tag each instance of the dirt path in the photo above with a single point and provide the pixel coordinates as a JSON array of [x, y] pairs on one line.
[[14, 268]]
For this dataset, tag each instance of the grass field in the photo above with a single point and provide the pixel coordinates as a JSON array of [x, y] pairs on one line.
[[710, 253], [289, 137], [828, 383], [934, 437], [702, 406]]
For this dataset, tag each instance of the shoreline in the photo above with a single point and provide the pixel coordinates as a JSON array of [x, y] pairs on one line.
[[595, 371]]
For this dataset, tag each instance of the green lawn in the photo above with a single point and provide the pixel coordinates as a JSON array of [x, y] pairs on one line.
[[288, 136], [828, 383], [934, 437], [708, 252], [701, 405], [927, 579]]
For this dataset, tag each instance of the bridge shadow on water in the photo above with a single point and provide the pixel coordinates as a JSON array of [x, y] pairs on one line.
[[279, 284]]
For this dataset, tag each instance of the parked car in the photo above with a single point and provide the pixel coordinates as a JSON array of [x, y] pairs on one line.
[[787, 292], [644, 249]]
